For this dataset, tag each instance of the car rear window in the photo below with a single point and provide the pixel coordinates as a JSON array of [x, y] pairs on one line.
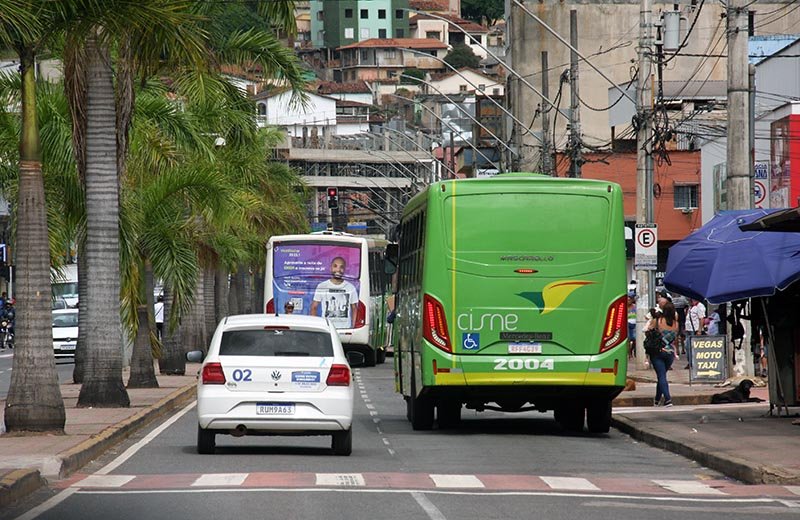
[[259, 342]]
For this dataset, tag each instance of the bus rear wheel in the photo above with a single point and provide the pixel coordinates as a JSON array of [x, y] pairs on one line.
[[448, 413], [381, 356], [570, 416], [598, 415], [420, 409]]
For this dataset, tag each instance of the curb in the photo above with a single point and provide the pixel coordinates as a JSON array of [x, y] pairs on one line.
[[78, 456], [728, 465], [623, 401], [18, 484]]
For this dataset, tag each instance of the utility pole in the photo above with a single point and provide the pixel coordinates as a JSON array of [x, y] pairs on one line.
[[644, 168], [740, 184], [575, 112], [547, 157]]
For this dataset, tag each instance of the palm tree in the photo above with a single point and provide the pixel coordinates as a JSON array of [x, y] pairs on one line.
[[34, 401]]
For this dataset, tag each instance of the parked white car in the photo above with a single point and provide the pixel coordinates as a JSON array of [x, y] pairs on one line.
[[65, 332], [274, 375]]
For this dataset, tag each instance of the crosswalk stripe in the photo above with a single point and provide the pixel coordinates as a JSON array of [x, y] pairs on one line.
[[340, 479], [220, 479], [104, 481], [456, 481], [571, 483], [688, 487]]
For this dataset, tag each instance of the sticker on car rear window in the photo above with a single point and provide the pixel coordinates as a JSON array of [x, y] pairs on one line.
[[305, 378]]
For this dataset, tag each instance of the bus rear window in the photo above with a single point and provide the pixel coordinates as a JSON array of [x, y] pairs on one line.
[[526, 222], [290, 343]]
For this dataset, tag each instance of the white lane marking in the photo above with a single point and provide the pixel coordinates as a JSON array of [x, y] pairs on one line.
[[340, 479], [60, 497], [48, 504], [456, 481], [220, 479], [642, 498], [793, 489], [104, 481], [370, 406], [3, 356], [130, 452], [431, 510], [576, 483], [688, 487]]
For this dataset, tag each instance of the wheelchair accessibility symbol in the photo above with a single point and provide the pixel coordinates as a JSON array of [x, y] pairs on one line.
[[471, 341]]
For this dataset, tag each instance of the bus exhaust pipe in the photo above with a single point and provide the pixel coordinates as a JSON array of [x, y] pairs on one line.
[[239, 431]]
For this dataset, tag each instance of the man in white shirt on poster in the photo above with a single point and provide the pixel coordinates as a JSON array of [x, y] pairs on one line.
[[337, 296]]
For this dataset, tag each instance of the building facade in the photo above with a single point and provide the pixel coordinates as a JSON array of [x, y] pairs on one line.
[[336, 23]]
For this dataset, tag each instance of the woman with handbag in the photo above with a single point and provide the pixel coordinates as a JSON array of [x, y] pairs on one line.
[[667, 324]]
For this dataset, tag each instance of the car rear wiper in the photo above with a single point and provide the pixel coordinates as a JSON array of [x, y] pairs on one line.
[[291, 353]]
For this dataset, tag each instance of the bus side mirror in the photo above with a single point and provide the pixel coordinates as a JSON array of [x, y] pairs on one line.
[[390, 259]]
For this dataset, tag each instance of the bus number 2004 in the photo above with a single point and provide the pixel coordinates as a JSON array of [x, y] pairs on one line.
[[523, 364]]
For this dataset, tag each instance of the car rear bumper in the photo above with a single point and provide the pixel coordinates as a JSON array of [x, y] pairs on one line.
[[221, 409]]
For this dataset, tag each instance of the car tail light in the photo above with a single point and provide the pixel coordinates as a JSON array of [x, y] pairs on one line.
[[361, 315], [615, 330], [338, 376], [434, 324], [270, 306], [213, 374]]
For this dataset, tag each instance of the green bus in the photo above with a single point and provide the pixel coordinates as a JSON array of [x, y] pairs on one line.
[[511, 296]]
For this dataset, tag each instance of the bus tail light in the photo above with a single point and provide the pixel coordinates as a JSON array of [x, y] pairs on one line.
[[615, 329], [434, 324], [361, 315], [213, 374], [270, 306], [338, 376]]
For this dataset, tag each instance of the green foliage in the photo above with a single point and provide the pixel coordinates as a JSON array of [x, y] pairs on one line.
[[410, 76], [483, 11], [462, 56]]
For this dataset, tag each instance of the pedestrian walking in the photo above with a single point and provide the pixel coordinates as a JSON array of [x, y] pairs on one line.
[[695, 317], [667, 324], [158, 311], [631, 324]]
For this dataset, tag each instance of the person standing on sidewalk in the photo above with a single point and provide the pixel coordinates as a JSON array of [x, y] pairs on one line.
[[667, 323], [695, 316]]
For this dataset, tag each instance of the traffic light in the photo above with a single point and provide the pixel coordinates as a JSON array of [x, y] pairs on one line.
[[333, 198]]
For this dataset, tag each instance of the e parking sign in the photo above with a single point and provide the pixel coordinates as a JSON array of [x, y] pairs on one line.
[[646, 254]]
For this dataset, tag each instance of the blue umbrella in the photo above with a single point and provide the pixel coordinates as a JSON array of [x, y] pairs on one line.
[[721, 263]]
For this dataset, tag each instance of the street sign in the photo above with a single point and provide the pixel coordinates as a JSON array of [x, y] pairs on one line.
[[709, 358], [646, 254], [760, 170], [759, 193]]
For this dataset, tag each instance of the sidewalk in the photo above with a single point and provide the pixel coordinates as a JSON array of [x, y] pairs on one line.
[[27, 460], [741, 441]]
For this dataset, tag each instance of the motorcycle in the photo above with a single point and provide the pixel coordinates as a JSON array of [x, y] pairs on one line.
[[6, 334]]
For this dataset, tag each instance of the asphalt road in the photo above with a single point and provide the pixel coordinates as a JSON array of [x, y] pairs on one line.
[[495, 466], [63, 366]]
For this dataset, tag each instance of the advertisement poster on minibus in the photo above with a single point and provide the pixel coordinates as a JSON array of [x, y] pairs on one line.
[[317, 279]]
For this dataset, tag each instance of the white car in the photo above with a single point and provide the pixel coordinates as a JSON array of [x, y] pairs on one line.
[[65, 332], [274, 375]]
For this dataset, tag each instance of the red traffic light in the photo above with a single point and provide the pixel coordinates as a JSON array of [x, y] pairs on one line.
[[333, 198]]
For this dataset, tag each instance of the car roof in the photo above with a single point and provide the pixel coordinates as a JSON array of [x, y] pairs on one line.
[[266, 320], [65, 311]]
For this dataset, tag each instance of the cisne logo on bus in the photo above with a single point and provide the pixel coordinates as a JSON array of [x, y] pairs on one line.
[[553, 295]]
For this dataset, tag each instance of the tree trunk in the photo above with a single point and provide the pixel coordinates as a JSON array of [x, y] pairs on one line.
[[209, 309], [79, 369], [233, 295], [258, 292], [221, 293], [242, 289], [102, 385], [143, 373], [34, 401], [172, 361], [193, 326]]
